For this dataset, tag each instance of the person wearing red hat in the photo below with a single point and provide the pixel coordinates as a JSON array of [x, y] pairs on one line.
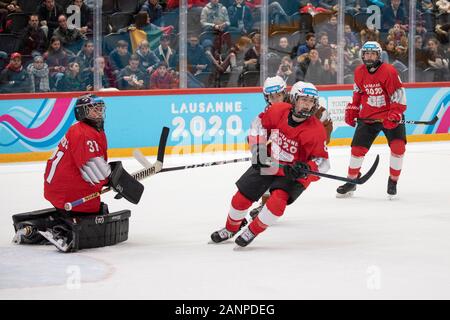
[[14, 78]]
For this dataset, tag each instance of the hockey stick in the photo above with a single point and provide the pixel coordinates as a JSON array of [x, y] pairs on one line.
[[428, 123], [359, 180], [138, 175]]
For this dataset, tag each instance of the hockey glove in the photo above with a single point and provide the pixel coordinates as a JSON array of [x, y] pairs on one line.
[[394, 115], [351, 113], [296, 171], [260, 159], [124, 184]]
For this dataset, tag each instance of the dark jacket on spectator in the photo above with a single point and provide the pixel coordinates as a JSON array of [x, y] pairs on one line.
[[195, 56], [240, 14], [86, 16], [50, 16], [117, 61], [69, 83], [86, 63], [14, 81], [69, 37], [388, 18], [146, 61], [56, 59], [123, 84], [154, 12], [32, 40], [169, 55]]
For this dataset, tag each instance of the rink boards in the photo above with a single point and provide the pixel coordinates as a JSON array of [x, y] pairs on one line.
[[201, 120]]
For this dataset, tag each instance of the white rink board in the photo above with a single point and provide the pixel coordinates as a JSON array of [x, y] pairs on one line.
[[366, 247]]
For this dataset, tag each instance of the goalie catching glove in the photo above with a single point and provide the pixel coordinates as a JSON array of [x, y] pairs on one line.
[[124, 184]]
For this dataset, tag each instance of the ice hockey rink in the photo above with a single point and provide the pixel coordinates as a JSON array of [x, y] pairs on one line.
[[365, 247]]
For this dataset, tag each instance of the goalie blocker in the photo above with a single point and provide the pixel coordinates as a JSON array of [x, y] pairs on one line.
[[78, 231]]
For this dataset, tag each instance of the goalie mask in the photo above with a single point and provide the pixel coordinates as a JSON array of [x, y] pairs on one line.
[[304, 91], [91, 110], [272, 86], [371, 46]]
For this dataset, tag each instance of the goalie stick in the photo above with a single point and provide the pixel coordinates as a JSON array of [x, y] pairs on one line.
[[138, 175], [428, 123], [360, 180]]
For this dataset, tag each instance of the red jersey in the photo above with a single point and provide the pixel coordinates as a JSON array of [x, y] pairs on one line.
[[305, 142], [63, 181], [377, 92]]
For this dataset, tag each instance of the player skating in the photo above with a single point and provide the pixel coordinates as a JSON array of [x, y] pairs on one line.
[[378, 94], [274, 90], [298, 141]]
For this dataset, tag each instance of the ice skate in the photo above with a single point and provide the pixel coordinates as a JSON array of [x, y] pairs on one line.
[[221, 235], [391, 188], [224, 234], [57, 238], [245, 238], [346, 190]]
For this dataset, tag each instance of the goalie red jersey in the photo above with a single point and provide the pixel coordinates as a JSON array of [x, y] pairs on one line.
[[69, 174], [378, 92]]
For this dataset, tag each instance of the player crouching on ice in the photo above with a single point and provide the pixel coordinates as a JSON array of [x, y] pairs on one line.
[[79, 168], [297, 141]]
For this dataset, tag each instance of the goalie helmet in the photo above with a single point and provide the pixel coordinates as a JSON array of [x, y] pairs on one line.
[[371, 46], [91, 110], [274, 85], [304, 89]]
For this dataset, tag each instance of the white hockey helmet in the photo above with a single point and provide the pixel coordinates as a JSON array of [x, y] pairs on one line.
[[274, 85], [304, 89], [371, 46]]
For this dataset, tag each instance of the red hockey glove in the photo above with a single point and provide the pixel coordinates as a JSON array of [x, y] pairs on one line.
[[394, 115], [351, 112]]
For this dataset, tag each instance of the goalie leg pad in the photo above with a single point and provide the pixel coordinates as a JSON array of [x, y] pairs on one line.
[[37, 220], [123, 183], [96, 231]]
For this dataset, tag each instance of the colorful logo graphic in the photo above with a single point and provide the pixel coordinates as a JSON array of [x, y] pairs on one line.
[[36, 131]]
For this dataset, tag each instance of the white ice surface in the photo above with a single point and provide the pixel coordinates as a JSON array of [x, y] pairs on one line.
[[366, 247]]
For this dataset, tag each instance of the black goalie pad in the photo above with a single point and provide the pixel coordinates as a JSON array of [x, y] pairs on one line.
[[124, 183], [37, 220]]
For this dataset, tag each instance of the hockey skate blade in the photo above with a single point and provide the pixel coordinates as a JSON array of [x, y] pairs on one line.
[[392, 197], [345, 195], [47, 235]]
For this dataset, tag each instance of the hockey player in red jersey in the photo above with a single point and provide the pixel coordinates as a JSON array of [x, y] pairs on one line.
[[77, 169], [297, 141], [79, 165], [275, 90], [378, 94]]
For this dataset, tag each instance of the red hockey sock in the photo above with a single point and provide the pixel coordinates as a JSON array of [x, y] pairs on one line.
[[274, 208], [238, 210], [356, 160], [396, 161]]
